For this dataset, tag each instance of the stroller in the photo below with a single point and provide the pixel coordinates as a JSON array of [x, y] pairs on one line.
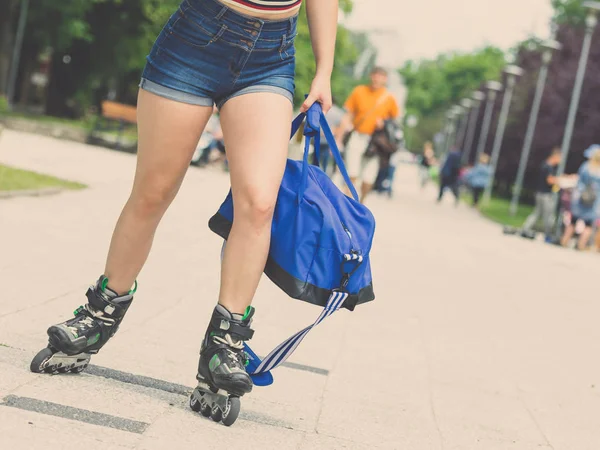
[[564, 211], [562, 214]]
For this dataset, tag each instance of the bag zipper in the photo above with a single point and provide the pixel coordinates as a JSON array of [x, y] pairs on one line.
[[353, 251], [349, 234]]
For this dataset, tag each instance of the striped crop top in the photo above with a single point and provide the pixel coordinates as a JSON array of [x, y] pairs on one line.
[[266, 6]]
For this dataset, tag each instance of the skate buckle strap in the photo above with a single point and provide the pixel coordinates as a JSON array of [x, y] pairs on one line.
[[260, 371], [243, 332], [100, 304]]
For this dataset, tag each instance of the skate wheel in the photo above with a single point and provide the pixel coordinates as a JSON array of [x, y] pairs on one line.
[[79, 369], [63, 369], [216, 414], [232, 412], [195, 404], [39, 361], [205, 409]]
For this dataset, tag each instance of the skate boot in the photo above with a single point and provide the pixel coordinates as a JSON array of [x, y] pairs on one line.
[[222, 377], [71, 343]]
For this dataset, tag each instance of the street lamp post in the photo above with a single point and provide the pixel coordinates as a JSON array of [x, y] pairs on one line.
[[548, 46], [446, 133], [476, 98], [466, 104], [455, 122], [450, 116], [493, 87], [590, 25], [512, 73]]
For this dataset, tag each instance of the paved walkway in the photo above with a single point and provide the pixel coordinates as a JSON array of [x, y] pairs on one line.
[[476, 340]]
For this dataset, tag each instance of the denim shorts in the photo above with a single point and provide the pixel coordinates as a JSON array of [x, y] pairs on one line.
[[208, 53]]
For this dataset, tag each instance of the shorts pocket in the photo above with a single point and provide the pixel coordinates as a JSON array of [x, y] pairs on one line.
[[194, 30], [287, 50]]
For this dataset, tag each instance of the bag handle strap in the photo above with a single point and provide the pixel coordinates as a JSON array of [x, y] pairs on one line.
[[315, 122], [337, 156]]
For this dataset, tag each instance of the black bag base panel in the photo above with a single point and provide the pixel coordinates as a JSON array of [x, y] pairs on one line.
[[295, 288]]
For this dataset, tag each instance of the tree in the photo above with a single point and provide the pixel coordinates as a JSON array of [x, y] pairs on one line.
[[8, 12], [569, 12], [99, 46], [346, 54], [554, 108], [435, 85]]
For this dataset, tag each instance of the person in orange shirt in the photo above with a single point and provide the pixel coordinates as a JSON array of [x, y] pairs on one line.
[[367, 108]]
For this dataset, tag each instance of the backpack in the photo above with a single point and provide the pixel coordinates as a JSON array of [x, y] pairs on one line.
[[385, 142], [589, 195], [320, 240], [394, 133]]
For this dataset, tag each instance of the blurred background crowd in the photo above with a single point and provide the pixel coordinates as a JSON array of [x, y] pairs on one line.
[[512, 129]]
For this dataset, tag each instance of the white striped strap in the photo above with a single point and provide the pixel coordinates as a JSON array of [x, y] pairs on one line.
[[353, 257], [283, 351]]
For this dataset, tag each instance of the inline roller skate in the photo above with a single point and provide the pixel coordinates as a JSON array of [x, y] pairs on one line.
[[71, 343], [222, 377]]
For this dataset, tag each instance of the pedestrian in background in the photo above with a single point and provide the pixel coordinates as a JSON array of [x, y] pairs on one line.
[[426, 162], [384, 144], [544, 197], [478, 178], [586, 202], [450, 174], [367, 108]]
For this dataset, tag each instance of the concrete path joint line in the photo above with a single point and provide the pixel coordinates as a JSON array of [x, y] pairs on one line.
[[68, 412]]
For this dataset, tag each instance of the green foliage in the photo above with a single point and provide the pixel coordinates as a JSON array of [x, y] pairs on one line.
[[12, 179], [58, 24], [108, 40], [435, 85], [427, 128], [3, 105], [346, 54], [569, 11], [498, 211]]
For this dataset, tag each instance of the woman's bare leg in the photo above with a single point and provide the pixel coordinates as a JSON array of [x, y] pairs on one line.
[[257, 130], [168, 135]]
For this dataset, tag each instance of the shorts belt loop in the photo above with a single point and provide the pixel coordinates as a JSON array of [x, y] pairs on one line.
[[221, 13]]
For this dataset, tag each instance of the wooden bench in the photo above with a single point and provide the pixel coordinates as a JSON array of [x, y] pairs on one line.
[[115, 117]]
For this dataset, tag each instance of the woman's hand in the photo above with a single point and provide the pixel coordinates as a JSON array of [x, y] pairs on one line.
[[320, 91]]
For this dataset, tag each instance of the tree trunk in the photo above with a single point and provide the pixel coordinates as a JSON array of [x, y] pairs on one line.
[[7, 36]]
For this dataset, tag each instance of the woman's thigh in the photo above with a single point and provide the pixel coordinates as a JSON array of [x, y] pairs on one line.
[[256, 129], [169, 132]]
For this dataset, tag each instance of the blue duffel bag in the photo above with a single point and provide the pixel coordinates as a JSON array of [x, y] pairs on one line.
[[320, 242], [321, 239]]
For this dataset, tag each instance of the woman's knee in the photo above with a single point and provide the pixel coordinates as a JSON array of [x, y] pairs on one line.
[[255, 208], [153, 196]]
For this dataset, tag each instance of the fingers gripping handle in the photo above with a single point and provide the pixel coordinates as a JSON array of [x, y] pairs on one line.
[[315, 122]]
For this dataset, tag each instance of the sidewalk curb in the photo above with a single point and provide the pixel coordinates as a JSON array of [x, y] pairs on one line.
[[62, 132], [57, 131]]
